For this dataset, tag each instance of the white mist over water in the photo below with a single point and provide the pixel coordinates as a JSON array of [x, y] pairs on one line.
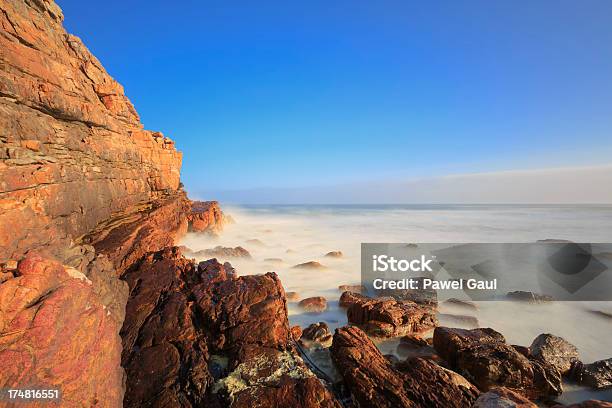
[[290, 235]]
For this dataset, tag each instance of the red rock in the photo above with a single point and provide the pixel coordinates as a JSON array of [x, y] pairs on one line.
[[374, 382], [206, 216], [387, 317], [315, 304], [352, 288], [56, 331], [348, 298], [221, 252], [296, 332], [186, 314]]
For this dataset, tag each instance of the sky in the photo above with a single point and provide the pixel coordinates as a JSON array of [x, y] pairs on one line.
[[282, 96]]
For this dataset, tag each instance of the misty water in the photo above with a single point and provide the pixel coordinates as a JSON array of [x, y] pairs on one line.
[[279, 237]]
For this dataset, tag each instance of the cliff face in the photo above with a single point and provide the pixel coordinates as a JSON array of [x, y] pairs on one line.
[[73, 152], [84, 193]]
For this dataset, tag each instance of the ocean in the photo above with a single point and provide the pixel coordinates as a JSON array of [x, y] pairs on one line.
[[281, 236]]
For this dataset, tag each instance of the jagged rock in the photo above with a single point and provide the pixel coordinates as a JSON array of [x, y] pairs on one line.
[[309, 265], [316, 304], [597, 375], [334, 254], [374, 382], [348, 298], [483, 356], [206, 216], [387, 317], [554, 350], [317, 332], [529, 297], [187, 314], [500, 397], [222, 252]]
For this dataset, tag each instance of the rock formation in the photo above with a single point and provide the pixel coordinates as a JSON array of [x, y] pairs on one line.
[[374, 382]]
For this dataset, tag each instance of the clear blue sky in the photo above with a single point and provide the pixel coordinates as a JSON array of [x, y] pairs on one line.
[[291, 94]]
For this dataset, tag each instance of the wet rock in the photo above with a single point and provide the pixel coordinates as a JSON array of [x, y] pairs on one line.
[[500, 397], [387, 317], [318, 332], [316, 304], [374, 382], [483, 356], [529, 297], [463, 304], [309, 265], [334, 254], [597, 375], [554, 350], [292, 296], [206, 216]]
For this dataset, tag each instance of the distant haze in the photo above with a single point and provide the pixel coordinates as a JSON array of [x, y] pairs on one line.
[[570, 185]]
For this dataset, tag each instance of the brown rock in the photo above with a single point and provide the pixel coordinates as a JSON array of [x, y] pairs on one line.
[[309, 265], [554, 350], [464, 304], [374, 382], [334, 254], [597, 375], [318, 332], [348, 298], [222, 252], [187, 314], [316, 304], [500, 397], [483, 356], [387, 317]]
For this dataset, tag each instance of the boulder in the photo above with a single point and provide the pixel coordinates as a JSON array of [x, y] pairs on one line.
[[555, 351], [309, 265], [206, 216], [316, 304], [387, 317], [348, 298], [318, 332], [597, 375], [374, 382]]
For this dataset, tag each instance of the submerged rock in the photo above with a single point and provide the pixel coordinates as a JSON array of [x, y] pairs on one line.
[[334, 254], [316, 304], [309, 265], [292, 296], [374, 382], [463, 304], [529, 297]]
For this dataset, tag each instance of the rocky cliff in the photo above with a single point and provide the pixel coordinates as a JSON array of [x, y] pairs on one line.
[[85, 192]]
